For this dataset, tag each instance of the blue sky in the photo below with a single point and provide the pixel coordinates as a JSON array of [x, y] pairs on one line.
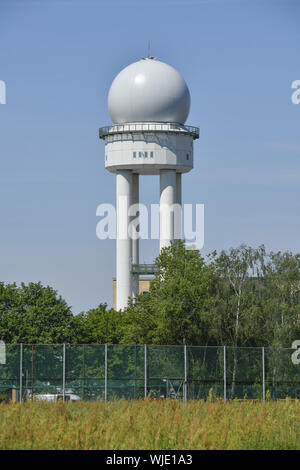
[[58, 59]]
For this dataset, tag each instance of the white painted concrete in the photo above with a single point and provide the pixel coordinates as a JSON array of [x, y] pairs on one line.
[[135, 242], [124, 242], [167, 201], [178, 213]]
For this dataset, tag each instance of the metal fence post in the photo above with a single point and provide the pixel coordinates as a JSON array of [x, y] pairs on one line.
[[21, 373], [105, 375], [145, 370], [185, 374], [263, 373], [32, 370], [83, 372], [134, 390], [64, 371], [224, 366]]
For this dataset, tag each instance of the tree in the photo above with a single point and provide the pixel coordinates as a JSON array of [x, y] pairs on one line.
[[34, 314], [100, 326], [240, 270], [178, 305], [282, 298]]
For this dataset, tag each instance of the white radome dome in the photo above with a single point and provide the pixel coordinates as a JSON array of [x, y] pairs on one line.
[[148, 91]]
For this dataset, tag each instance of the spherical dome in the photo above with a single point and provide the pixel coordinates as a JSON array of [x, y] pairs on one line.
[[148, 91]]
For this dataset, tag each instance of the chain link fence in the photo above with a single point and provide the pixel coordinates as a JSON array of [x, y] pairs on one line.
[[110, 372]]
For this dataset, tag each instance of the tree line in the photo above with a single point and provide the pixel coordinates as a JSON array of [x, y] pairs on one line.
[[240, 297]]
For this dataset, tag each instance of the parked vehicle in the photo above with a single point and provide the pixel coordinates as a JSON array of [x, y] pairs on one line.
[[55, 397]]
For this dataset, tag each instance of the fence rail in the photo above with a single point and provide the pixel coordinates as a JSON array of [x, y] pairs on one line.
[[148, 127], [93, 372]]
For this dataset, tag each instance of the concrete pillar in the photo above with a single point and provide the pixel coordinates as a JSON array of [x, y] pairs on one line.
[[124, 242], [135, 243], [178, 212], [167, 201]]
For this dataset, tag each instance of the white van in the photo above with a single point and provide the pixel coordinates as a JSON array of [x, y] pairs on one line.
[[54, 397]]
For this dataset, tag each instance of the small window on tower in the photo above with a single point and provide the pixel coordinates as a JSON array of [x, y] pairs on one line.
[[146, 154], [187, 156], [151, 154], [134, 154], [140, 154]]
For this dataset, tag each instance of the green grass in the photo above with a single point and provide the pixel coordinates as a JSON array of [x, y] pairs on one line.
[[151, 425]]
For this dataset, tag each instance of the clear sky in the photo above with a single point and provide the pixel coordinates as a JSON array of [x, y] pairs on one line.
[[58, 58]]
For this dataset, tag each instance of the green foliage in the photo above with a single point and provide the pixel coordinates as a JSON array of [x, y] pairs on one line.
[[177, 308], [101, 325], [240, 297], [34, 314], [240, 282], [282, 298]]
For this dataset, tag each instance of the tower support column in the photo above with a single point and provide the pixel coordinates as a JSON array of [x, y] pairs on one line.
[[135, 242], [178, 211], [124, 242], [167, 201]]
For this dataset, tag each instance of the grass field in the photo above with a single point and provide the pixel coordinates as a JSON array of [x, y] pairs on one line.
[[151, 425]]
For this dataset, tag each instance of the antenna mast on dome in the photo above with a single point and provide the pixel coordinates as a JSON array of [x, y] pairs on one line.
[[150, 56]]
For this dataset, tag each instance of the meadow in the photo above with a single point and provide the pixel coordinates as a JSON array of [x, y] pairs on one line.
[[151, 424]]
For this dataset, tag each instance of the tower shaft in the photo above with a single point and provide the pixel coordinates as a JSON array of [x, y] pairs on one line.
[[135, 242], [178, 214], [167, 201], [124, 242]]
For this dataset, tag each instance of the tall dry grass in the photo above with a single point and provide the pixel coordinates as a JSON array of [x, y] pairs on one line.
[[151, 425]]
